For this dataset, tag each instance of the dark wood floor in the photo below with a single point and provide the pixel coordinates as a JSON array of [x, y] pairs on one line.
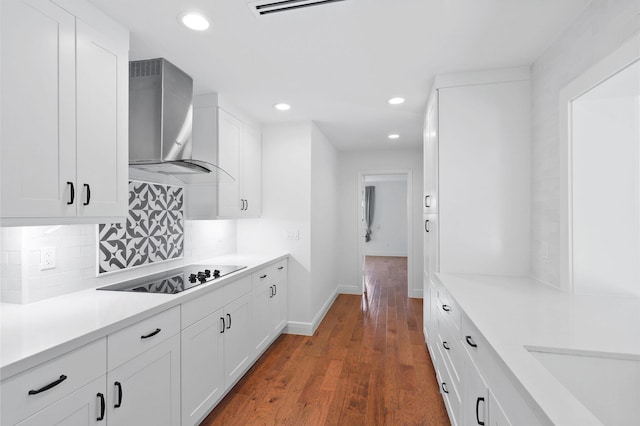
[[367, 364]]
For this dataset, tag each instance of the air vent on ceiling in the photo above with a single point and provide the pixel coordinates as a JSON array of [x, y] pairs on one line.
[[267, 7]]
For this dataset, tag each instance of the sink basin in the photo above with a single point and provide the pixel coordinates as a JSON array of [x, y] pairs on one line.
[[607, 384]]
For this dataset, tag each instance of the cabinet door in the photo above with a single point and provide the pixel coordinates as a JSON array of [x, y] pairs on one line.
[[497, 417], [279, 307], [38, 110], [237, 338], [431, 245], [229, 133], [262, 316], [250, 163], [430, 202], [475, 397], [82, 407], [102, 139], [146, 389], [202, 361]]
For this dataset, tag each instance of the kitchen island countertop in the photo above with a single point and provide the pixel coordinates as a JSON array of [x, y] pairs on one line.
[[517, 315]]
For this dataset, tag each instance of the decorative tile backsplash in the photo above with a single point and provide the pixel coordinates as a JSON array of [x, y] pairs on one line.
[[154, 230]]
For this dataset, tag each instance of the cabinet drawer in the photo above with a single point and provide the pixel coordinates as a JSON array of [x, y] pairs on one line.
[[265, 276], [80, 367], [475, 344], [281, 271], [137, 338], [448, 306], [449, 392], [448, 340], [196, 309]]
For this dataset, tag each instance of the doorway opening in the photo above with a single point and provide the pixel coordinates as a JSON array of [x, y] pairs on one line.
[[384, 240]]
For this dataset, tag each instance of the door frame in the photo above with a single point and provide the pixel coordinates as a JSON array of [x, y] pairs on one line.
[[359, 219]]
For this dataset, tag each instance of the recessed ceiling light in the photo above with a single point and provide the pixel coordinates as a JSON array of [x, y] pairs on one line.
[[396, 101], [394, 136], [194, 21], [282, 107]]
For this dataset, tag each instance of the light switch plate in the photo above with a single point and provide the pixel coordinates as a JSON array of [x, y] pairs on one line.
[[293, 234], [47, 258]]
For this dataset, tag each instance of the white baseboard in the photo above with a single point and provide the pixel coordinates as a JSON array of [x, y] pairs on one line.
[[416, 293], [350, 289], [386, 254], [308, 328]]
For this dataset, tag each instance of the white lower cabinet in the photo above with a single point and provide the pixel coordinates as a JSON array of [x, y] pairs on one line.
[[497, 417], [269, 305], [475, 401], [237, 339], [170, 369], [474, 385], [146, 388], [63, 390], [86, 406], [202, 367]]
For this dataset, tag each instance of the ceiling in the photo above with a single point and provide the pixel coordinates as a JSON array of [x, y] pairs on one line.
[[337, 64]]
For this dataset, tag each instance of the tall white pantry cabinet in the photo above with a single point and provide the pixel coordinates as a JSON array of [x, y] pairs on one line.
[[476, 208], [64, 113]]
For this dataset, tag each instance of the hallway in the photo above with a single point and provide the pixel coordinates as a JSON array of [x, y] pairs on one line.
[[367, 364]]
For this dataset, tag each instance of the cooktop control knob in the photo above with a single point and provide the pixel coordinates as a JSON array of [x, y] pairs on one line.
[[202, 277], [192, 278], [216, 273], [207, 272]]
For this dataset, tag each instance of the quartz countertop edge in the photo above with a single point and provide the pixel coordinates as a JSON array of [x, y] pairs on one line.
[[516, 313], [34, 333]]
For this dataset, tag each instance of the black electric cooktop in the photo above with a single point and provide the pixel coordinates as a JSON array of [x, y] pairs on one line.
[[175, 280]]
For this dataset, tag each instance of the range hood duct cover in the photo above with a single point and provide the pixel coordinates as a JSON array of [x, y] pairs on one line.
[[161, 121], [267, 7]]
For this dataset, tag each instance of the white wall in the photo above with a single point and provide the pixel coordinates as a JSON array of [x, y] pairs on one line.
[[324, 222], [389, 227], [349, 165], [286, 206], [298, 196], [598, 31], [22, 281]]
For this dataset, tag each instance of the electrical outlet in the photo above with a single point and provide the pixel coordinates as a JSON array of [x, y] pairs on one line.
[[293, 234], [47, 258]]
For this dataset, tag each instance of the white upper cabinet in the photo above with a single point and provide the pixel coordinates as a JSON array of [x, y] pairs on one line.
[[477, 180], [38, 110], [229, 132], [64, 114], [239, 154], [250, 163], [102, 114], [430, 149], [234, 145]]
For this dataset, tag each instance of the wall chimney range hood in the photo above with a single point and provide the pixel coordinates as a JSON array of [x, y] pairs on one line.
[[160, 124]]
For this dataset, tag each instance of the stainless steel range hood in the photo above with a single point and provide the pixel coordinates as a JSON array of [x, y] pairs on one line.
[[160, 123]]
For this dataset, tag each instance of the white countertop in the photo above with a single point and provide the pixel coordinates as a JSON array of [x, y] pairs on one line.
[[33, 333], [513, 312]]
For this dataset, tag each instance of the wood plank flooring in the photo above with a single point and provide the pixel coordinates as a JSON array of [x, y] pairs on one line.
[[367, 364]]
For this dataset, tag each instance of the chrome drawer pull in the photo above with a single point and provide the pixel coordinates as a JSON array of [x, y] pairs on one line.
[[444, 344], [49, 386], [444, 388], [446, 308]]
